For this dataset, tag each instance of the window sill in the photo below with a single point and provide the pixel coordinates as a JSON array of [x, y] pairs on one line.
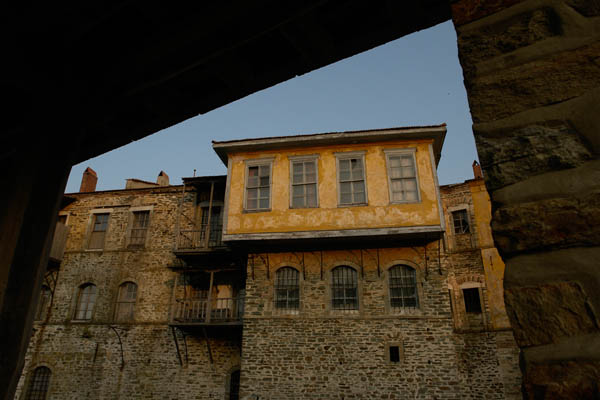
[[255, 211], [405, 202], [81, 321], [353, 205], [94, 250]]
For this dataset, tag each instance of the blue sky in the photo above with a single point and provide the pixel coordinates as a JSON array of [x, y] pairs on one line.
[[415, 80]]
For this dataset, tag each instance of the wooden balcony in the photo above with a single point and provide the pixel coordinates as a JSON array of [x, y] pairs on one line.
[[205, 238], [57, 251], [204, 312]]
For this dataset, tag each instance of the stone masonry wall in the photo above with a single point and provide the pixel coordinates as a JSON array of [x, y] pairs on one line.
[[532, 74], [85, 358], [323, 353]]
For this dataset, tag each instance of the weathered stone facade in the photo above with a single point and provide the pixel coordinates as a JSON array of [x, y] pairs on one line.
[[316, 352]]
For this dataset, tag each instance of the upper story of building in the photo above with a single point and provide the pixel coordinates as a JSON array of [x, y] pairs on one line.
[[361, 185]]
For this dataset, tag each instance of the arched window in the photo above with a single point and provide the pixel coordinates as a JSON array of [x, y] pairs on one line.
[[344, 288], [38, 384], [287, 289], [85, 302], [126, 302], [403, 287], [43, 304]]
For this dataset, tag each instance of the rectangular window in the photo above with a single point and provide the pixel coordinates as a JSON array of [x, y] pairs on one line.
[[395, 354], [100, 225], [139, 228], [304, 183], [472, 300], [461, 222], [351, 176], [258, 187], [402, 176]]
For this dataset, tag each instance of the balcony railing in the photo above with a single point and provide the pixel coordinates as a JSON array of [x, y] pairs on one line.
[[197, 238], [207, 311], [57, 251]]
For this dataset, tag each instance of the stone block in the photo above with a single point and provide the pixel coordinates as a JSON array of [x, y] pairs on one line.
[[507, 35], [546, 313], [563, 380], [514, 154], [549, 223], [538, 83], [465, 11], [588, 8]]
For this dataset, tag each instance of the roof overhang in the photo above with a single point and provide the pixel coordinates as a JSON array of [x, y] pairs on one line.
[[437, 133]]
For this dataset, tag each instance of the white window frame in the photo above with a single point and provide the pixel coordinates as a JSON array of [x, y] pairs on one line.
[[257, 163], [304, 158], [347, 156], [400, 152]]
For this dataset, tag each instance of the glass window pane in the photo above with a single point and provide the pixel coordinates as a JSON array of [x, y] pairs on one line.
[[344, 165], [252, 181], [264, 181], [359, 198], [406, 161], [251, 204], [252, 193], [408, 172], [309, 167], [264, 170], [345, 187], [297, 168], [358, 187], [298, 202], [344, 175], [410, 184], [346, 198], [264, 203], [265, 193], [311, 177]]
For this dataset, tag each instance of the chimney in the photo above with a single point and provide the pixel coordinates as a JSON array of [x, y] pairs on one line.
[[89, 180], [477, 173], [163, 179]]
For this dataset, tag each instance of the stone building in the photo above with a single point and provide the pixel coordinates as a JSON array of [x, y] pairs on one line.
[[322, 266]]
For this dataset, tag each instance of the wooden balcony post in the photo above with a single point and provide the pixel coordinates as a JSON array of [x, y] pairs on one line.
[[209, 298], [207, 228]]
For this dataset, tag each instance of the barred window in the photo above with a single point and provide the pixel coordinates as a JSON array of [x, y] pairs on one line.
[[139, 228], [98, 231], [403, 287], [258, 187], [344, 288], [304, 183], [86, 299], [124, 310], [43, 304], [352, 181], [402, 175], [287, 289], [460, 221], [38, 384]]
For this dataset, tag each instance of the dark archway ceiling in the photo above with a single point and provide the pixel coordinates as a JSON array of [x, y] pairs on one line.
[[107, 73]]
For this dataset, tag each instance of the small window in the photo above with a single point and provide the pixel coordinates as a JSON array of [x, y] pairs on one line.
[[402, 175], [139, 228], [304, 183], [395, 354], [258, 187], [460, 221], [62, 219], [98, 231], [86, 299], [403, 287], [472, 300], [38, 384], [344, 288], [351, 175], [124, 310], [287, 289], [43, 304]]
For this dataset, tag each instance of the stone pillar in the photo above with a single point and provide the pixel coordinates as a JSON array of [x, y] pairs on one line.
[[35, 177], [532, 73]]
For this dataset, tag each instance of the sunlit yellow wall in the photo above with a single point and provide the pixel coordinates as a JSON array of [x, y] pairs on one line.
[[378, 214], [492, 263]]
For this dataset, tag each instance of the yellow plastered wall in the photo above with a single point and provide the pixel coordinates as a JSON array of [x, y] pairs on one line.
[[492, 263], [379, 213]]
